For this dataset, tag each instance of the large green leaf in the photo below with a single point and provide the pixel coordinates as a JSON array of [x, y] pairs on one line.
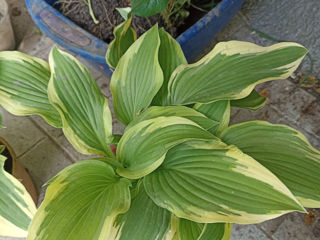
[[253, 101], [85, 113], [23, 86], [144, 220], [124, 36], [179, 111], [144, 146], [231, 71], [16, 205], [218, 111], [188, 230], [137, 78], [285, 152], [147, 8], [81, 202], [208, 182], [170, 57]]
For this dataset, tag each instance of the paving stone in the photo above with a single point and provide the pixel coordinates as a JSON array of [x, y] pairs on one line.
[[44, 161], [271, 226], [69, 150], [247, 232], [20, 132], [294, 228], [37, 44], [20, 19]]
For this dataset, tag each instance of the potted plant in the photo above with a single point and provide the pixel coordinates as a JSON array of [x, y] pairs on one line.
[[17, 207], [180, 171], [72, 37]]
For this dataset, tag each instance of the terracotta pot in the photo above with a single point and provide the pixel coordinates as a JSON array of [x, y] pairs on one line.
[[18, 171]]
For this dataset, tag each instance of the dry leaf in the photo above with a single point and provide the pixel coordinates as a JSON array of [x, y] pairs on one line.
[[310, 217]]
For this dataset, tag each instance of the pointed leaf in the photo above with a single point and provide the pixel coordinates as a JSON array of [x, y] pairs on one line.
[[81, 202], [147, 8], [23, 86], [218, 111], [208, 182], [285, 152], [16, 205], [231, 71], [85, 113], [170, 57], [254, 101], [144, 146], [179, 111], [137, 78], [124, 36], [144, 220]]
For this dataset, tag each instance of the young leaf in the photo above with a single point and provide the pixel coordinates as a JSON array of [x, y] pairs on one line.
[[23, 86], [178, 111], [124, 12], [16, 205], [144, 220], [143, 147], [236, 67], [147, 8], [124, 36], [209, 182], [137, 78], [254, 101], [218, 111], [285, 152], [81, 202], [85, 113], [170, 57]]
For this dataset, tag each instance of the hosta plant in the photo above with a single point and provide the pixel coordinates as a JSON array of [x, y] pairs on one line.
[[180, 171]]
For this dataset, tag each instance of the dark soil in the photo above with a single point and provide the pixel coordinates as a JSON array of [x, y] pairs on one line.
[[105, 11], [8, 162]]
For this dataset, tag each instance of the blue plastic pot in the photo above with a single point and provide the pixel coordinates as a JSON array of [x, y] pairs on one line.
[[72, 37]]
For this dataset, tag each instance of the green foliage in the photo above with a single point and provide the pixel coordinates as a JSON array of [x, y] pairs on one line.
[[180, 172]]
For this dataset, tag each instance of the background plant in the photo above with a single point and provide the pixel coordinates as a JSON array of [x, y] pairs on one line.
[[180, 171]]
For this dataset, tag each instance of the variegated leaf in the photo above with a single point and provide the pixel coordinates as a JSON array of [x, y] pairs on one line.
[[216, 231], [16, 205], [188, 230], [178, 111], [285, 152], [209, 182], [81, 202], [231, 71], [254, 101], [23, 86], [137, 78], [170, 57], [124, 36], [143, 147], [144, 220], [218, 111], [85, 113]]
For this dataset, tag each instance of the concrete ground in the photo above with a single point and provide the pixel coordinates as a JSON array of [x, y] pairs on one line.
[[44, 151]]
